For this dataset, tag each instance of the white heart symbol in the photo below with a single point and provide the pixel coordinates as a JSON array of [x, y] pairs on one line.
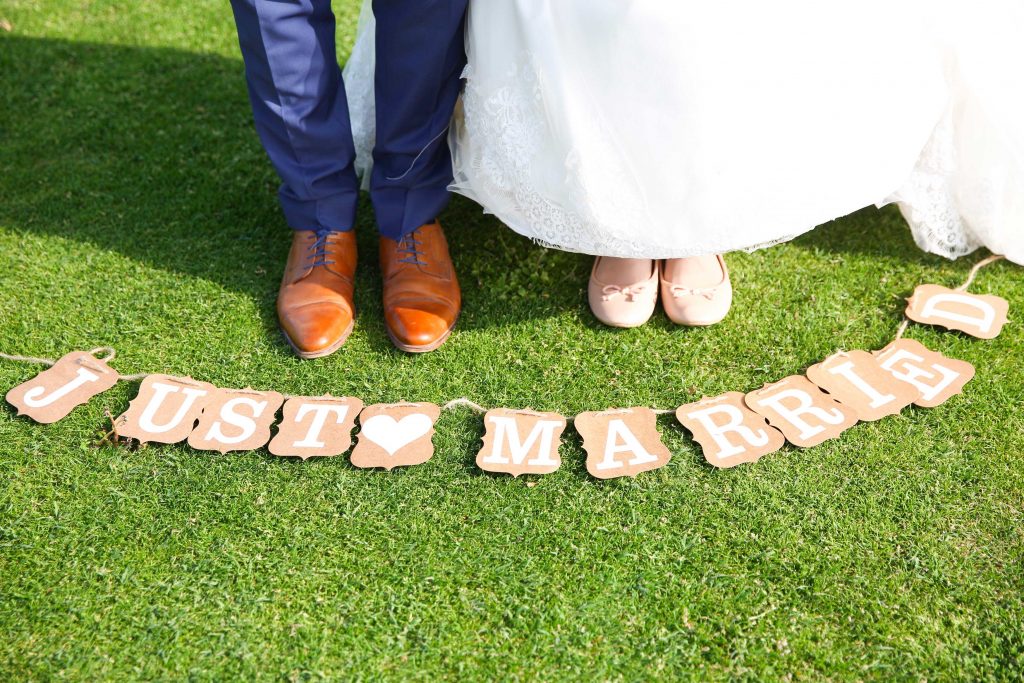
[[391, 434]]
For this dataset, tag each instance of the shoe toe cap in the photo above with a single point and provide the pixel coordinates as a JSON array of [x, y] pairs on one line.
[[419, 326], [316, 327]]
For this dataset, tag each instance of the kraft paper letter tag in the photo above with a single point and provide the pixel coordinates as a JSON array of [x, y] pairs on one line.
[[165, 409], [855, 379], [936, 377], [521, 442], [728, 431], [979, 315], [67, 384], [805, 414], [395, 435], [315, 426], [621, 443], [235, 420]]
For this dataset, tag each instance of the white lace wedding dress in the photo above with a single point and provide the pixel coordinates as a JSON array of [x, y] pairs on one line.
[[666, 128]]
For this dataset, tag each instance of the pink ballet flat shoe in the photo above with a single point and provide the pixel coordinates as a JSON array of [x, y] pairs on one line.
[[623, 292], [693, 303]]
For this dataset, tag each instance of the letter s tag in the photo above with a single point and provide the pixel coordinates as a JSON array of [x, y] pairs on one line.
[[55, 392]]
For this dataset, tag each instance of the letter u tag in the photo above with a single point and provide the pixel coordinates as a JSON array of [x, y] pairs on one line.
[[165, 409], [56, 391]]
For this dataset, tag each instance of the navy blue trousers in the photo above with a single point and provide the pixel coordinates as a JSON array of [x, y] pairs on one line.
[[301, 113]]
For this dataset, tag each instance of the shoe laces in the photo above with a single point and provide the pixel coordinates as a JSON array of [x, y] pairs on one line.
[[316, 254], [410, 246]]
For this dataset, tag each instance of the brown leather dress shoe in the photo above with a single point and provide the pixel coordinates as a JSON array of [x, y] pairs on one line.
[[422, 299], [314, 304]]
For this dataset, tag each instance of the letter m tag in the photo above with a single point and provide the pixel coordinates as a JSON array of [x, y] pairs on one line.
[[521, 442]]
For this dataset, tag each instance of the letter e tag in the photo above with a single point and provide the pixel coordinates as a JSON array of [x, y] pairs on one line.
[[165, 409], [728, 431], [315, 427], [855, 379], [395, 435], [621, 443], [521, 442], [805, 414], [235, 420], [937, 377], [979, 315], [67, 384]]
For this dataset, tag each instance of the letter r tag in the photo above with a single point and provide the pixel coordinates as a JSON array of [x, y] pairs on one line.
[[55, 392], [728, 431]]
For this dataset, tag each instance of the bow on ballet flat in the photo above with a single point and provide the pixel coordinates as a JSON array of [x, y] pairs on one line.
[[679, 291], [630, 292]]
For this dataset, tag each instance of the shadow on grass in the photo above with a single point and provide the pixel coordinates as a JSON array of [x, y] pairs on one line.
[[151, 153]]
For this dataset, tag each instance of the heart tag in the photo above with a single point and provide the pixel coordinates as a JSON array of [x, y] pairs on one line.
[[315, 427], [165, 410], [395, 435], [805, 414], [936, 377], [235, 420], [67, 384], [855, 379], [728, 431], [521, 442], [621, 443], [979, 315]]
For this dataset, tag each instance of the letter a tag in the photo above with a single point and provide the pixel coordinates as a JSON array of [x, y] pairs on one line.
[[979, 315], [521, 442], [165, 409], [235, 420], [621, 443], [395, 435], [805, 414], [728, 431], [56, 391], [937, 377], [316, 427], [855, 379]]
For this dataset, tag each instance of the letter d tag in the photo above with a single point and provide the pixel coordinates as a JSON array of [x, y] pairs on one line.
[[55, 392], [621, 443], [979, 315]]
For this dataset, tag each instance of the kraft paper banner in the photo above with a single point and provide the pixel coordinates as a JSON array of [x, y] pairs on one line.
[[979, 315], [621, 443], [165, 410], [728, 431], [856, 379], [395, 435], [521, 442], [935, 376], [52, 394], [805, 414], [315, 427], [235, 420]]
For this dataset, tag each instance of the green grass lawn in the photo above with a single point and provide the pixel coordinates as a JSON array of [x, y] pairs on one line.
[[137, 209]]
